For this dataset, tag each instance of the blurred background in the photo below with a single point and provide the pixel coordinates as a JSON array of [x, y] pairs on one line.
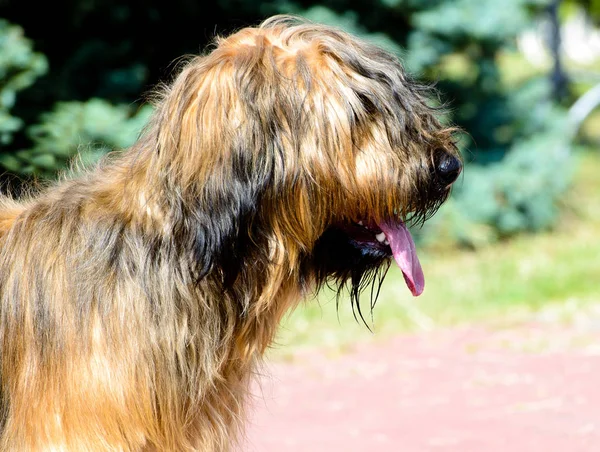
[[521, 78], [517, 241]]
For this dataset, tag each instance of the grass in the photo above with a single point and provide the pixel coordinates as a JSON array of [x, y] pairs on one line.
[[498, 285]]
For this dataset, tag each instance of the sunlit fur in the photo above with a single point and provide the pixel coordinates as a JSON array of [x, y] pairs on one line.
[[137, 298]]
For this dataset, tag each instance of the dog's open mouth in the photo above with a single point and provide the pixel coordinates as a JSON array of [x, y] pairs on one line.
[[392, 237]]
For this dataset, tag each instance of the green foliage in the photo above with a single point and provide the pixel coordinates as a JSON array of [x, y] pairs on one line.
[[519, 145], [592, 8], [481, 20], [515, 144], [86, 130], [475, 33], [19, 67]]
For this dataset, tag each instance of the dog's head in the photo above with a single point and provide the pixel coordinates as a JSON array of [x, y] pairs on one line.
[[304, 151]]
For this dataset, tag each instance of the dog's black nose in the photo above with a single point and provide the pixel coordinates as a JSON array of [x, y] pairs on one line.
[[448, 168]]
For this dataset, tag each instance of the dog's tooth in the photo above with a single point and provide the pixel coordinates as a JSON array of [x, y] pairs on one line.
[[386, 242], [361, 223], [380, 237]]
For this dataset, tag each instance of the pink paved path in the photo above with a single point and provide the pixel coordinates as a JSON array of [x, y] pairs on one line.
[[466, 390]]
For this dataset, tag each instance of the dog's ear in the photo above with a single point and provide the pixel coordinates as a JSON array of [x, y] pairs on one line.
[[228, 234], [221, 161]]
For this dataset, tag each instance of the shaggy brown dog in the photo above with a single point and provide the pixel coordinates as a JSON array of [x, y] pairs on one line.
[[137, 298]]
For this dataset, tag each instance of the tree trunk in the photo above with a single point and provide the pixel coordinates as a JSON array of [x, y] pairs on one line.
[[558, 76]]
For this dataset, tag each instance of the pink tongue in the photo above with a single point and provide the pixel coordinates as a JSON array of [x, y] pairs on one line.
[[403, 249]]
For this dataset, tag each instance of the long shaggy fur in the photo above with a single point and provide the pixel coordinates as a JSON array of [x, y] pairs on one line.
[[136, 299]]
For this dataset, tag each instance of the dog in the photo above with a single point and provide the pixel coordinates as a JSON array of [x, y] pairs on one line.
[[137, 297]]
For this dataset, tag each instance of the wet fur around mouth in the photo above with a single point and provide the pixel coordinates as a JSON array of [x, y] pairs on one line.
[[350, 266]]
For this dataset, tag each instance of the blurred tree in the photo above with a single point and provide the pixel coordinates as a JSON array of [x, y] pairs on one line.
[[591, 7], [115, 50], [87, 130], [520, 138], [112, 49], [559, 78], [19, 68]]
